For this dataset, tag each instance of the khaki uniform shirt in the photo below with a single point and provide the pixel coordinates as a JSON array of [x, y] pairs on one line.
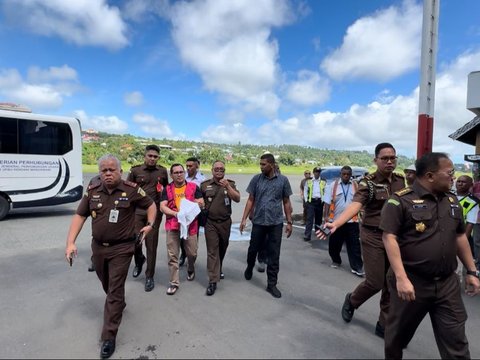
[[217, 201], [426, 227], [98, 203], [381, 188], [151, 180]]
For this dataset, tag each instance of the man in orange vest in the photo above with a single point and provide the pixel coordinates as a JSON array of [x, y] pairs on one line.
[[338, 195]]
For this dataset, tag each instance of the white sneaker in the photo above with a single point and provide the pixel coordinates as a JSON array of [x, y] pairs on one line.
[[360, 273], [334, 265], [261, 267]]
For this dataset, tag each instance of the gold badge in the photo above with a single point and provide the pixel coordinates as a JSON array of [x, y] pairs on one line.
[[124, 194], [420, 227], [99, 205], [419, 201], [94, 214], [451, 199]]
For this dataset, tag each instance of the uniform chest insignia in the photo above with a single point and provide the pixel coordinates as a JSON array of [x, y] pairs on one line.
[[141, 192], [451, 199], [420, 227], [123, 198], [418, 201], [94, 214], [124, 194], [404, 191], [99, 205], [95, 196], [209, 199]]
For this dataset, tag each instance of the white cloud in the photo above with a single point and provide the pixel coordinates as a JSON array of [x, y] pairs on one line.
[[82, 22], [309, 89], [134, 98], [110, 124], [380, 47], [44, 89], [152, 126], [228, 134], [142, 10], [229, 44]]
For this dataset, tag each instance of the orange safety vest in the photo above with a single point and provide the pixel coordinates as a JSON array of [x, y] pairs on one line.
[[331, 209]]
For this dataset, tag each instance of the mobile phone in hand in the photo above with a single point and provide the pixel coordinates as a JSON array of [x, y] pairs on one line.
[[324, 230], [70, 259]]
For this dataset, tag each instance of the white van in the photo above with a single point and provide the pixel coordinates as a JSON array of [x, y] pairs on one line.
[[40, 159]]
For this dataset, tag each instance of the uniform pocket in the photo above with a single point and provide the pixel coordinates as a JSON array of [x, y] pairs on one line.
[[421, 215]]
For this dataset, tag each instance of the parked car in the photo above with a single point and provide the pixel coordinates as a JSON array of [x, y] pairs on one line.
[[331, 173]]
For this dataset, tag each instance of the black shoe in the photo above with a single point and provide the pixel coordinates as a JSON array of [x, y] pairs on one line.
[[137, 270], [149, 284], [347, 309], [248, 273], [91, 268], [379, 330], [306, 239], [108, 348], [274, 291], [211, 289], [181, 261], [222, 276]]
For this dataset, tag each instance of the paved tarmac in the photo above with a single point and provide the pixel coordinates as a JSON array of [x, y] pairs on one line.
[[49, 310]]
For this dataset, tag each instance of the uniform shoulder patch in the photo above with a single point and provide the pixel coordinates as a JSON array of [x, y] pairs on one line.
[[94, 185], [130, 183], [404, 191], [393, 202], [141, 191]]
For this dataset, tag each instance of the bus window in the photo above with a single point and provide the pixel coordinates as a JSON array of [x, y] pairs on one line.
[[8, 136], [44, 138]]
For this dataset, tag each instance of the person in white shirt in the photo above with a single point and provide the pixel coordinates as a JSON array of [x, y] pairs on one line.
[[338, 195], [312, 194]]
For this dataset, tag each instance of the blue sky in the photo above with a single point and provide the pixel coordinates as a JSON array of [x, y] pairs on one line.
[[336, 75]]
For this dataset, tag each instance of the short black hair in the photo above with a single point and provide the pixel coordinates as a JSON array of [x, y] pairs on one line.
[[269, 157], [152, 147], [176, 164], [194, 159], [429, 162], [347, 168], [382, 146]]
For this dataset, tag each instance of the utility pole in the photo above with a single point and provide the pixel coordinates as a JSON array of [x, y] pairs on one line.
[[427, 76]]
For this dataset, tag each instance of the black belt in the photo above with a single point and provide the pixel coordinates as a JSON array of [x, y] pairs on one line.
[[113, 243], [371, 228], [218, 221]]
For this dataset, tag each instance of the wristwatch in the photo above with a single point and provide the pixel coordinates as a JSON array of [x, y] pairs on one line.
[[474, 273]]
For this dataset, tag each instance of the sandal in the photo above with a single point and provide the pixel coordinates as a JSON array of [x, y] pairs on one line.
[[172, 289], [190, 275]]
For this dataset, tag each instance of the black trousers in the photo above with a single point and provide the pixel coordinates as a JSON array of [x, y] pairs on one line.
[[269, 238], [350, 234], [314, 216]]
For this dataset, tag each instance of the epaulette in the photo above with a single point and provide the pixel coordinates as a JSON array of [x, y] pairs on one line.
[[94, 185], [130, 183], [399, 175], [205, 181], [135, 166], [404, 191]]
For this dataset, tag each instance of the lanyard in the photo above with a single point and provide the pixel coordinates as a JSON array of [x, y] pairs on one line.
[[345, 194]]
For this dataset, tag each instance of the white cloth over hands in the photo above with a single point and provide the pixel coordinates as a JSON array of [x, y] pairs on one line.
[[187, 213]]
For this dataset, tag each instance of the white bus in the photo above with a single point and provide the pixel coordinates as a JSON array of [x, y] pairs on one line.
[[40, 159]]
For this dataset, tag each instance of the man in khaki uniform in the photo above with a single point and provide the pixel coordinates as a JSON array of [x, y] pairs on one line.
[[151, 178], [218, 194], [111, 203], [373, 191], [424, 232]]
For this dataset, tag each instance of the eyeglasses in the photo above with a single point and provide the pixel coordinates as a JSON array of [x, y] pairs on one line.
[[219, 169], [388, 158], [178, 172]]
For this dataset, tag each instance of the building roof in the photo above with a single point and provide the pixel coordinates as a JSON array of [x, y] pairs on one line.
[[468, 132]]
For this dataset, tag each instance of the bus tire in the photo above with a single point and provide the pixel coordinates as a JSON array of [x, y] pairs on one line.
[[4, 207]]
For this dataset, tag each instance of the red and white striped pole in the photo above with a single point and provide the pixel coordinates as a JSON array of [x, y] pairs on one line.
[[427, 76]]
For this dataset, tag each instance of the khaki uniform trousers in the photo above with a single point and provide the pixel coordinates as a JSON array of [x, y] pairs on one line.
[[217, 235], [111, 265], [376, 265], [151, 243], [173, 249]]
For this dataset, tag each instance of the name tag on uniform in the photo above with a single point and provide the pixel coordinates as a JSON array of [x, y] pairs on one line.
[[113, 218], [227, 201]]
